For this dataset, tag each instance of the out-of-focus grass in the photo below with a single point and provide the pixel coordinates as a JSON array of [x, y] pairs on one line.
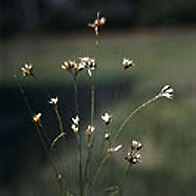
[[166, 128]]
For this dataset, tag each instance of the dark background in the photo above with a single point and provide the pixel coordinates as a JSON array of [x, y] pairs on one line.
[[159, 35]]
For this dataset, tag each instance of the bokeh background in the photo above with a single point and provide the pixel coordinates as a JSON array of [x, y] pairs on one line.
[[159, 35]]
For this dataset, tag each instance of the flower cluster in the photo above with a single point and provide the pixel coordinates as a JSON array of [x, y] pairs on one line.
[[84, 63], [89, 130], [27, 69], [97, 23], [167, 92], [53, 101], [133, 156], [126, 62], [107, 118], [75, 124]]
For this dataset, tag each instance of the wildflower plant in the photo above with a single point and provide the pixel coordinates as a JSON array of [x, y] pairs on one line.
[[86, 182]]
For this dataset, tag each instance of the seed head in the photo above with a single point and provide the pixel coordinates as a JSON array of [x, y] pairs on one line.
[[27, 69], [127, 63], [167, 92]]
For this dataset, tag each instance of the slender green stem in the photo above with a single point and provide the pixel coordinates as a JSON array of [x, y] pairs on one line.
[[56, 109], [53, 164], [42, 85], [79, 139], [76, 94], [99, 169], [80, 163], [132, 114], [104, 159], [92, 102]]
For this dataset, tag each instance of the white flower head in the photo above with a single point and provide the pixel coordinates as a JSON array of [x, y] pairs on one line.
[[37, 117], [89, 130], [127, 63], [167, 92], [106, 136], [135, 145], [76, 120], [98, 22], [106, 118], [69, 65], [53, 100], [27, 69], [75, 128]]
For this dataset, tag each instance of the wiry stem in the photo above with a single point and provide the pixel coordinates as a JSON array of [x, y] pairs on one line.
[[56, 109], [99, 169], [79, 139], [133, 113], [53, 164], [118, 131]]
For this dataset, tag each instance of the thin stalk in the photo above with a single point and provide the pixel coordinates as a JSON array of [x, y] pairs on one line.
[[76, 94], [80, 163], [53, 164], [79, 139], [42, 85], [87, 165], [56, 109], [92, 101], [118, 131], [99, 169], [132, 114]]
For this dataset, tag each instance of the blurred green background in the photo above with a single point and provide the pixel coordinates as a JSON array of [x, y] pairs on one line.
[[160, 37]]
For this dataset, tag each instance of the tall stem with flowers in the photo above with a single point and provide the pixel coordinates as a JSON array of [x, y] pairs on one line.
[[86, 182]]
